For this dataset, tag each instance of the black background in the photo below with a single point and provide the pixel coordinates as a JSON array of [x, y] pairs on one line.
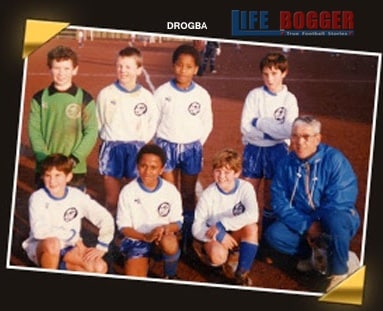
[[39, 290]]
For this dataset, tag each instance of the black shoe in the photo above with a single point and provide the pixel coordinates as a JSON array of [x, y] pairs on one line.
[[174, 277], [243, 279]]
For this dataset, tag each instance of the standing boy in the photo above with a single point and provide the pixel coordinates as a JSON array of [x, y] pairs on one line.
[[127, 119], [211, 51], [267, 115], [200, 46], [186, 120], [226, 218], [149, 216], [63, 117], [55, 215]]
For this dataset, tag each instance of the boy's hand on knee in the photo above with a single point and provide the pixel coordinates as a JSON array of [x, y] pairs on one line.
[[229, 242]]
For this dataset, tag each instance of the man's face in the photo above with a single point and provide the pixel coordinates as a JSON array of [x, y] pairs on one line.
[[304, 140]]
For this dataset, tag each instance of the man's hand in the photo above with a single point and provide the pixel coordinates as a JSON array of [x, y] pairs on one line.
[[314, 232]]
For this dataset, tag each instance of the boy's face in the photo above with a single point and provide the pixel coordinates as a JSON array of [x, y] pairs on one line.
[[184, 70], [62, 73], [273, 78], [225, 178], [127, 71], [149, 169], [55, 181]]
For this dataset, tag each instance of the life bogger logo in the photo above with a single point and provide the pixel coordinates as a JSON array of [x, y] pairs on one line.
[[292, 23]]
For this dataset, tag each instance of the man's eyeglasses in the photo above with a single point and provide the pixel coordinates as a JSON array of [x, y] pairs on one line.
[[305, 137]]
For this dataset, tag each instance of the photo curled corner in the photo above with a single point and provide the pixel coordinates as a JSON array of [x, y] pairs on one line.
[[38, 32], [349, 291]]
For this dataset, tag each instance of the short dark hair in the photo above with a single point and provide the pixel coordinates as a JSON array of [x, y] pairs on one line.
[[61, 52], [277, 60], [186, 49], [151, 149], [56, 160], [132, 51]]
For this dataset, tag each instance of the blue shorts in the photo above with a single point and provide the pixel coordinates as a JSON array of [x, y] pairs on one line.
[[131, 249], [260, 162], [187, 157], [118, 159]]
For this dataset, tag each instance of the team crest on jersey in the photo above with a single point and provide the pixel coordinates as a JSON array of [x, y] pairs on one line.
[[163, 209], [238, 209], [280, 114], [194, 108], [70, 214], [73, 111], [140, 109]]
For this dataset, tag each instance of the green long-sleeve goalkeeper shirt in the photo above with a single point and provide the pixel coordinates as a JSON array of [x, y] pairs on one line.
[[63, 122]]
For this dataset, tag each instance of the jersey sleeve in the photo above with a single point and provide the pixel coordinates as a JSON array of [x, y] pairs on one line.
[[200, 225], [207, 120], [102, 219], [37, 141], [89, 131], [280, 129], [176, 215], [123, 215], [157, 97], [101, 110], [151, 127], [342, 186], [249, 112]]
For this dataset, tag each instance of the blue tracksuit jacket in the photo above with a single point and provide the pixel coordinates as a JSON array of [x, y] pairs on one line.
[[333, 186]]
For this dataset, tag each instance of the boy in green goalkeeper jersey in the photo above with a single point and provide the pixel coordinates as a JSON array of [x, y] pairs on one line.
[[63, 117]]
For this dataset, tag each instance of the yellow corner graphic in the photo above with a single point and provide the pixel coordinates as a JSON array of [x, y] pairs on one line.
[[349, 291], [38, 32]]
